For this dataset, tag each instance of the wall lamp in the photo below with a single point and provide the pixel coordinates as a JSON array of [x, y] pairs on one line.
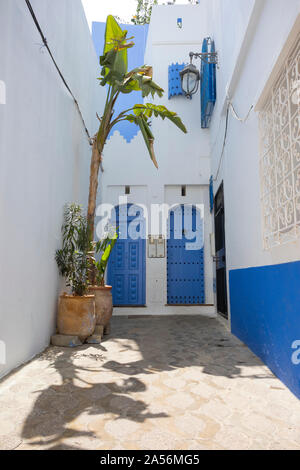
[[190, 75]]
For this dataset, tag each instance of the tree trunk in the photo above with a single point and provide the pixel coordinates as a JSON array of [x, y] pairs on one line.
[[94, 173], [98, 145]]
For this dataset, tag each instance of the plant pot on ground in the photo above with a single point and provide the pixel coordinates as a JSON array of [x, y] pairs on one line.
[[76, 312], [103, 295], [103, 306], [76, 316]]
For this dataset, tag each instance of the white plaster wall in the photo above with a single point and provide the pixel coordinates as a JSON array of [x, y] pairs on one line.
[[183, 159], [44, 161], [265, 27]]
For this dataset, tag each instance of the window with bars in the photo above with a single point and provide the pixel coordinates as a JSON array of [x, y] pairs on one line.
[[279, 123]]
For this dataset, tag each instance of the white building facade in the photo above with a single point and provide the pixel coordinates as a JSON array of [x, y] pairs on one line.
[[183, 159]]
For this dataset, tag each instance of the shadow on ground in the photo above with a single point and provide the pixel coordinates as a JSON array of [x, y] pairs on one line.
[[104, 381]]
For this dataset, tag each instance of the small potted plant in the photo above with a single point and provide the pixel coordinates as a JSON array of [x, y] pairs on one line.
[[103, 295], [76, 311]]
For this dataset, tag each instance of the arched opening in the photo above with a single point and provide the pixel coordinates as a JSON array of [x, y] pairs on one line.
[[185, 256]]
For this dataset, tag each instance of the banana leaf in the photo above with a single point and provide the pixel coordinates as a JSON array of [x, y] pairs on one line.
[[115, 48]]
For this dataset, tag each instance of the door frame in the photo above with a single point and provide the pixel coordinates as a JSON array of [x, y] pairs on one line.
[[220, 258], [143, 253], [173, 207]]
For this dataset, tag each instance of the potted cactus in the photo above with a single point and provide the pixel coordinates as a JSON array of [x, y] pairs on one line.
[[103, 296], [76, 311]]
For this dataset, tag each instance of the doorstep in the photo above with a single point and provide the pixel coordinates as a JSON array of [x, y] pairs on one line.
[[166, 310]]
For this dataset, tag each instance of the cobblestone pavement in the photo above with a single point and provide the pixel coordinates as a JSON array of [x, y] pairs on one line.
[[155, 383]]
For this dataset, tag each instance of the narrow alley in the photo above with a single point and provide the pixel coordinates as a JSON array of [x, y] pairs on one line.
[[155, 383]]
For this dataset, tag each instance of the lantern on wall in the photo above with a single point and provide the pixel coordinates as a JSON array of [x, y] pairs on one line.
[[190, 79], [190, 75]]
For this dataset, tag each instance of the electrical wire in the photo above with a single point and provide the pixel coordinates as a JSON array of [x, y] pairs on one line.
[[235, 115], [57, 68], [224, 143]]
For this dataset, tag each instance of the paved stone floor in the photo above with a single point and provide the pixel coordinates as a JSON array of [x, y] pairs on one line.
[[155, 383]]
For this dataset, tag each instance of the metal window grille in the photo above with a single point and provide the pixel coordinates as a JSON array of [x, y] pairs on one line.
[[279, 123]]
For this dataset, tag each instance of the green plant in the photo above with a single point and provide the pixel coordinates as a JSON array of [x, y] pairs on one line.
[[118, 80], [143, 11], [73, 258], [104, 248]]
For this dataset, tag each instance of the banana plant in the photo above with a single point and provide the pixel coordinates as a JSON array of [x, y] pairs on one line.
[[104, 248], [118, 80]]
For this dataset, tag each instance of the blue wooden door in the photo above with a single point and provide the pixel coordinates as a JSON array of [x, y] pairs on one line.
[[185, 257], [127, 265]]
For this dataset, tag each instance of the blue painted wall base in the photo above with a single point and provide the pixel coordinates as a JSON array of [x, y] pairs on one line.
[[265, 314]]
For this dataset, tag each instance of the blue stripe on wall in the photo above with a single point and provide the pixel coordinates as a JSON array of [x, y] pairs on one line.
[[135, 59], [265, 314]]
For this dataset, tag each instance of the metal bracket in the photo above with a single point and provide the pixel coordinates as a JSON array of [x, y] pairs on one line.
[[156, 247], [207, 57]]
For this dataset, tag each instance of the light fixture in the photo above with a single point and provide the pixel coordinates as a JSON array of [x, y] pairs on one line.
[[190, 78], [190, 75]]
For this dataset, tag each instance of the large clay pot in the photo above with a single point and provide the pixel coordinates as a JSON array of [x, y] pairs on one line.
[[76, 315], [104, 306]]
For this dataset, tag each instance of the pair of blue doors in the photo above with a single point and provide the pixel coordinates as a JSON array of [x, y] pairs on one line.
[[185, 257], [127, 265]]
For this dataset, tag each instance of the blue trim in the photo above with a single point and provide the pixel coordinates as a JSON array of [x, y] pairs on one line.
[[208, 86], [211, 194], [265, 314], [175, 80]]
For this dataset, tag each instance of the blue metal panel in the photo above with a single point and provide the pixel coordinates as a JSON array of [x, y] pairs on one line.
[[208, 86], [211, 194], [174, 80], [185, 276], [127, 264], [265, 314]]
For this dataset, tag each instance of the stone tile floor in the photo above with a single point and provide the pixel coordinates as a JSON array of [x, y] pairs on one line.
[[155, 383]]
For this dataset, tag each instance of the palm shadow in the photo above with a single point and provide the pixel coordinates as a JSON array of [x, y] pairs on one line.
[[59, 405], [162, 343], [168, 343]]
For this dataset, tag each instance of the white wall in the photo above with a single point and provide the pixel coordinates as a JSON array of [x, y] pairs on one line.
[[247, 58], [44, 161], [183, 159]]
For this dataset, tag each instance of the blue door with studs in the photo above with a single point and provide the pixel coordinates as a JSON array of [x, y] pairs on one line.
[[185, 257], [127, 264]]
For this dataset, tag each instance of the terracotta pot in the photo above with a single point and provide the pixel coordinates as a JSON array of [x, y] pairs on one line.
[[76, 315], [104, 307]]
